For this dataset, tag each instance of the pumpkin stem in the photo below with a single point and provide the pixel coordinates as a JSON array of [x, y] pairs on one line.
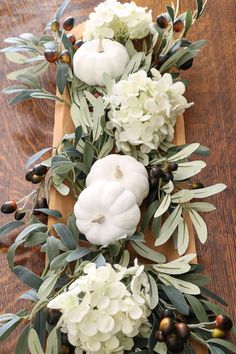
[[100, 47], [118, 172], [99, 219]]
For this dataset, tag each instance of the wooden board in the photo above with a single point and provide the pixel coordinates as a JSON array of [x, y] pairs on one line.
[[64, 125]]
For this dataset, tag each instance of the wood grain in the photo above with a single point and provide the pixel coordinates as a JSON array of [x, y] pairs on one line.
[[27, 128]]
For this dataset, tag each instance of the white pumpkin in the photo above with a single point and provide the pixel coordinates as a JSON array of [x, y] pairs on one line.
[[105, 212], [123, 169], [97, 57]]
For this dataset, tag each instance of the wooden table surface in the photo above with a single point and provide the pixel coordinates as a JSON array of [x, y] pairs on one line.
[[26, 128]]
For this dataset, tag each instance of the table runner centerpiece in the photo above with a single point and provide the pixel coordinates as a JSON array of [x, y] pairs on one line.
[[119, 188]]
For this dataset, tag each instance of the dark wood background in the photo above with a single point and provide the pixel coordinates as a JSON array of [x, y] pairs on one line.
[[26, 128]]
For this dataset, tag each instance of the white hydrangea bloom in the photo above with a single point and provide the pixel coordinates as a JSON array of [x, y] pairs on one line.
[[144, 110], [112, 19], [100, 314]]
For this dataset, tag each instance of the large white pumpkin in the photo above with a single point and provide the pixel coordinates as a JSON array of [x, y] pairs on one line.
[[123, 169], [97, 57], [105, 212]]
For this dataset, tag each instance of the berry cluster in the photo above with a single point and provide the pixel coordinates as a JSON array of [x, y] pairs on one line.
[[52, 54], [164, 174], [36, 174], [175, 335]]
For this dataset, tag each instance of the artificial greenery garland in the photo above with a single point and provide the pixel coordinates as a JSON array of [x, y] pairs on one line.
[[146, 305]]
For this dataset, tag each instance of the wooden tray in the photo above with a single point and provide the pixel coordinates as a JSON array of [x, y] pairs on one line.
[[64, 125]]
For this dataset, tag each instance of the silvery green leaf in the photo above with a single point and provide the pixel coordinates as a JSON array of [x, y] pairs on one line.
[[168, 188], [160, 348], [183, 237], [106, 148], [91, 98], [7, 328], [169, 226], [32, 70], [85, 114], [130, 48], [183, 196], [98, 112], [143, 158], [188, 169], [154, 297], [62, 189], [125, 258], [186, 258], [10, 226], [47, 286], [183, 286], [197, 307], [147, 252], [199, 225], [209, 191], [77, 254], [29, 229], [163, 207], [109, 83], [52, 342], [76, 117], [22, 343], [201, 206], [34, 343], [223, 343], [134, 64], [16, 57], [184, 153], [173, 267]]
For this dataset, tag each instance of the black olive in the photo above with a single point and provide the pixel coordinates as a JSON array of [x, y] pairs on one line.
[[68, 23], [36, 179], [40, 170], [156, 172], [167, 326], [174, 344], [162, 21], [167, 177], [78, 44], [182, 331], [160, 336], [224, 322], [19, 215], [29, 175], [172, 166], [187, 65], [167, 313], [9, 207], [51, 55], [178, 26], [72, 38], [42, 203]]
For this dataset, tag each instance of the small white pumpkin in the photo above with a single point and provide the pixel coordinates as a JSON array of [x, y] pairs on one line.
[[97, 57], [123, 169], [105, 212]]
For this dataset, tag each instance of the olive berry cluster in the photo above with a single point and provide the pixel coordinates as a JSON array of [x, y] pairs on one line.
[[223, 325], [36, 174], [165, 174], [175, 335], [51, 54], [12, 207]]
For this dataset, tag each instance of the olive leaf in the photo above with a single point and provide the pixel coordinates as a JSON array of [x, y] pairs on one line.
[[5, 229], [201, 206], [169, 226], [147, 252], [7, 328], [47, 286], [199, 225], [176, 298], [183, 286], [163, 207], [34, 343], [22, 343], [183, 237], [197, 307], [188, 169], [184, 153], [154, 297], [52, 342], [62, 76]]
